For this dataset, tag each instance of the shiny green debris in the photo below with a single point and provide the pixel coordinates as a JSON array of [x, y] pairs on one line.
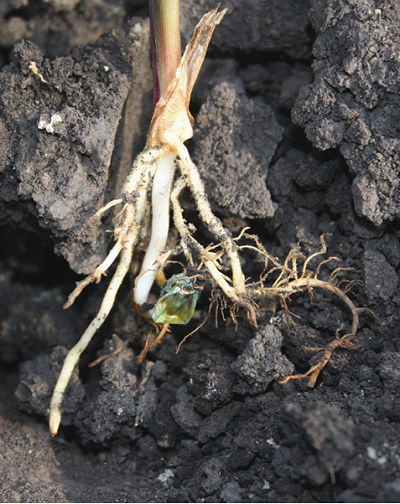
[[177, 301]]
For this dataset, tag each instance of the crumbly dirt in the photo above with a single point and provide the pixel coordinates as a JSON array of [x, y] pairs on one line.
[[352, 102], [303, 107]]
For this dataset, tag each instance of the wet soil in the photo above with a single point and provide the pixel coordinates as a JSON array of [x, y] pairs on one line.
[[297, 125]]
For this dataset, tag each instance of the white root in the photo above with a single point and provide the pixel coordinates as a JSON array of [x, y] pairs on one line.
[[105, 208], [137, 184], [170, 127], [207, 257], [179, 221], [164, 174], [192, 177], [73, 355], [135, 187]]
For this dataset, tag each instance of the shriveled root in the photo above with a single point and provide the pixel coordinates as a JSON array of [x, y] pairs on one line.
[[112, 354], [101, 270], [314, 371], [149, 345], [289, 282], [192, 178], [348, 341]]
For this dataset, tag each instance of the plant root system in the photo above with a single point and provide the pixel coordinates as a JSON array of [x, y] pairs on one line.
[[171, 126]]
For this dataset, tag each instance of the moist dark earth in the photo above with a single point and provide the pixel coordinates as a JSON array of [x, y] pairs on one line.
[[297, 128]]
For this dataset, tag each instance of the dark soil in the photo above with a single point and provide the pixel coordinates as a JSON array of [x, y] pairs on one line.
[[297, 134]]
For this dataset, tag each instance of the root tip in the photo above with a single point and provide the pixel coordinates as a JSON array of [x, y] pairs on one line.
[[54, 422]]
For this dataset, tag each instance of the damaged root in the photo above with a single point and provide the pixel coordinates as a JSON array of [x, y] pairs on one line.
[[192, 177], [346, 341], [289, 282], [209, 260], [149, 345]]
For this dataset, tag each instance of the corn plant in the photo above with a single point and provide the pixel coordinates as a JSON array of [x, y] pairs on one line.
[[165, 169]]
